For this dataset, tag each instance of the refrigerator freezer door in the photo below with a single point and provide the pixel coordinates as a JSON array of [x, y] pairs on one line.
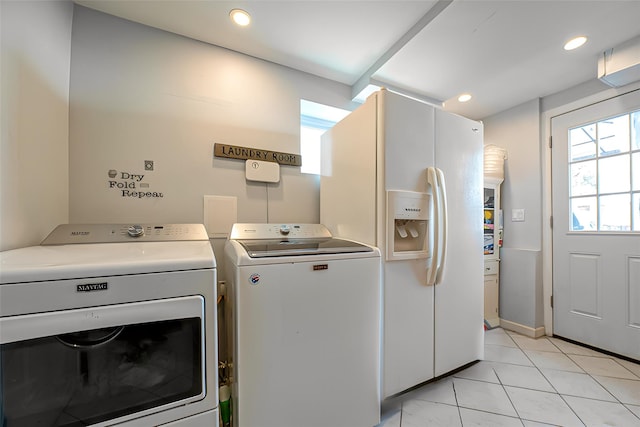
[[407, 326], [405, 150]]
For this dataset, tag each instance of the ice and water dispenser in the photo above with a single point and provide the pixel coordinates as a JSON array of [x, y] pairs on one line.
[[408, 214]]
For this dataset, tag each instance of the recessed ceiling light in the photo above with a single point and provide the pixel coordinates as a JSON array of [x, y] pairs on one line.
[[240, 17], [575, 43], [464, 97]]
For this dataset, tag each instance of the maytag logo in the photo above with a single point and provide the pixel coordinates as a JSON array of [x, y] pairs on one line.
[[91, 287], [80, 233]]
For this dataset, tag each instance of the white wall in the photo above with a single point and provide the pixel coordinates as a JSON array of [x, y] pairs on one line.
[[518, 131], [34, 104], [139, 94]]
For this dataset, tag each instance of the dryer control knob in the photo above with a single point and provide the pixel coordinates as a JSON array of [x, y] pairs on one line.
[[284, 229], [135, 231]]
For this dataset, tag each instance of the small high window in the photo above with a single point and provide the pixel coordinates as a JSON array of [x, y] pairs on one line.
[[315, 119]]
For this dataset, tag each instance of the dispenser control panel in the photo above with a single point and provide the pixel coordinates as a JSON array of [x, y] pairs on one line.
[[411, 205], [408, 214]]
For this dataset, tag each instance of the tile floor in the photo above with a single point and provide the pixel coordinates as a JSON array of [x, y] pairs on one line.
[[526, 382]]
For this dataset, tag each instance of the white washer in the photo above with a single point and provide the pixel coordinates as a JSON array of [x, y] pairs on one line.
[[306, 320], [110, 325]]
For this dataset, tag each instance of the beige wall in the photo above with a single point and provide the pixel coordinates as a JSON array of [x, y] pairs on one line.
[[139, 94], [36, 40], [518, 131]]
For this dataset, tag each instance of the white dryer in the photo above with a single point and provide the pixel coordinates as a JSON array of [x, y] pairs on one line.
[[306, 327], [110, 325]]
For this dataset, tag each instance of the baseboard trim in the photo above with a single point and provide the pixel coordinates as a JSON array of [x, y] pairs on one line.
[[522, 329]]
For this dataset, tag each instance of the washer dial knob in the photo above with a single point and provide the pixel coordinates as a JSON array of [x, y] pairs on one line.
[[284, 230], [135, 231]]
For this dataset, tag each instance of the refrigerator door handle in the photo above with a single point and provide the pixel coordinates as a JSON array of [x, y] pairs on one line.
[[435, 178], [443, 224], [432, 181]]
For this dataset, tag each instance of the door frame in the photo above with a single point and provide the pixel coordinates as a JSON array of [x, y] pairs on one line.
[[591, 92]]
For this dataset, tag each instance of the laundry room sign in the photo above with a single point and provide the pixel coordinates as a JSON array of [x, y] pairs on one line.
[[132, 185], [244, 153]]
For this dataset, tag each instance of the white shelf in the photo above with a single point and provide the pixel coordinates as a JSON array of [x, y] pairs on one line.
[[492, 236]]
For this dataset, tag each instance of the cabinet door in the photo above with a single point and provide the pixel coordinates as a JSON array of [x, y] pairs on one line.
[[491, 298]]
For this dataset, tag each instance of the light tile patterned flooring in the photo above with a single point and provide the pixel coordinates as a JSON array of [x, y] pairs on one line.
[[526, 382]]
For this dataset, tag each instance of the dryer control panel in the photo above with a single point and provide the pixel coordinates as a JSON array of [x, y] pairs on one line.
[[66, 234]]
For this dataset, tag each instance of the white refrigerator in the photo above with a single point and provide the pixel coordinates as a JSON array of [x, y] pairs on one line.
[[407, 177]]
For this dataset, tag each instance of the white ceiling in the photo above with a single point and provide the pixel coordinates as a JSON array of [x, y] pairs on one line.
[[503, 52]]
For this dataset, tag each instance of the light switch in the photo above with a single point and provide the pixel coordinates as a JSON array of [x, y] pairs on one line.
[[220, 213], [517, 215]]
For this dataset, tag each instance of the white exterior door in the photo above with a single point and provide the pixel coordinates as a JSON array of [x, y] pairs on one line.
[[596, 225]]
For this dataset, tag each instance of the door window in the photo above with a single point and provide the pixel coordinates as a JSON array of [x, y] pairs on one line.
[[604, 169]]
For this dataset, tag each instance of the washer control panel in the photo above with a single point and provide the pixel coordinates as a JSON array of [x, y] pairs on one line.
[[66, 234], [278, 231]]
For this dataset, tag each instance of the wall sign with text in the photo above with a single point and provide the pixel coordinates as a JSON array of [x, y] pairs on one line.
[[132, 185], [244, 153]]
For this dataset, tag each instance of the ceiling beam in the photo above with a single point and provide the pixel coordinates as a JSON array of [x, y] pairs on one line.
[[408, 93], [364, 80]]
